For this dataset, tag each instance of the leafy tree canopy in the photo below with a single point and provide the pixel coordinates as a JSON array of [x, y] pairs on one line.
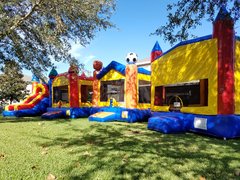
[[185, 15], [34, 31], [12, 87]]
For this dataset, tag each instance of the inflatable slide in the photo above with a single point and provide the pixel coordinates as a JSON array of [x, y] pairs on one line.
[[35, 104]]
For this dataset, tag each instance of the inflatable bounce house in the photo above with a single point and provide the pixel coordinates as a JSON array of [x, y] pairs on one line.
[[34, 105], [195, 85], [121, 93], [70, 94]]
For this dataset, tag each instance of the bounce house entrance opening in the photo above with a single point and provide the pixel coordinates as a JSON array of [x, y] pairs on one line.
[[193, 93], [86, 93], [112, 89], [144, 91], [60, 93]]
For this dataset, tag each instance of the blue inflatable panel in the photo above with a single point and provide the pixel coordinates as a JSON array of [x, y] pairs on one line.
[[168, 123], [73, 112], [9, 113], [80, 112], [37, 110], [119, 114], [222, 126]]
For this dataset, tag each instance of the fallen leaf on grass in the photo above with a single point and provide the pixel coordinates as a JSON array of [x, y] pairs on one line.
[[51, 177], [136, 132], [41, 123], [86, 153], [132, 132], [44, 151], [2, 156], [34, 167]]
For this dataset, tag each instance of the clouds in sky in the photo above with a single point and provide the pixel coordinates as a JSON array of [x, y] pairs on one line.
[[77, 51]]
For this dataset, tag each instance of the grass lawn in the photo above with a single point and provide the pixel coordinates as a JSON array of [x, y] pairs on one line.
[[31, 148]]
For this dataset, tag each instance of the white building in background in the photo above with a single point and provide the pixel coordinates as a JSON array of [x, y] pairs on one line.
[[144, 63], [28, 79]]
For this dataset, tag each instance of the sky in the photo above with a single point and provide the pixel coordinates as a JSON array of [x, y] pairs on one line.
[[135, 20]]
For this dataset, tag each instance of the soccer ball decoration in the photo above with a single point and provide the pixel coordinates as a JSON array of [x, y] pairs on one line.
[[131, 58]]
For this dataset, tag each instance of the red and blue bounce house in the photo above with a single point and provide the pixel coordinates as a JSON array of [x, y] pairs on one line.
[[194, 87]]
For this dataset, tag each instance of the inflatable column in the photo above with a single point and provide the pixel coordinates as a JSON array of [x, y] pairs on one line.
[[73, 86], [223, 30], [97, 65], [131, 86], [156, 52], [53, 73], [160, 93], [35, 81]]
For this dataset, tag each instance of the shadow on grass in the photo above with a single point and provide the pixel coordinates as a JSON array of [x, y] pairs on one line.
[[131, 151], [28, 119]]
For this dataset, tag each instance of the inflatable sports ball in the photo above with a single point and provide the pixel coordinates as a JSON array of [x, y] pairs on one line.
[[131, 58], [97, 65]]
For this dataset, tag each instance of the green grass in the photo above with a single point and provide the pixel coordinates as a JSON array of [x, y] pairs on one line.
[[31, 148]]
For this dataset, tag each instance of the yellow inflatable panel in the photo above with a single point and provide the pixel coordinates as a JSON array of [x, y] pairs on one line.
[[112, 75], [85, 82], [144, 77], [60, 81], [102, 114], [237, 77], [187, 63]]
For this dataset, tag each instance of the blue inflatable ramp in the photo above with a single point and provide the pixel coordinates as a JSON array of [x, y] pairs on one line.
[[103, 116], [168, 123]]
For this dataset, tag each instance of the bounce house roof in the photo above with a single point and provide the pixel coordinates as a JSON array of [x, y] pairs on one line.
[[203, 38], [223, 14], [143, 71], [80, 77], [120, 68]]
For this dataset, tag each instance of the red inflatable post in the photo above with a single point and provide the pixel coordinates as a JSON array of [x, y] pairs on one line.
[[223, 30], [74, 86]]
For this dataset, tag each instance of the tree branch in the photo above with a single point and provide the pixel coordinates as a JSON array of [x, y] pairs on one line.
[[21, 20]]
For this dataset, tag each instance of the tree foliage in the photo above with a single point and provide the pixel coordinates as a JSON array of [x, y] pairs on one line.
[[32, 32], [12, 86], [185, 15]]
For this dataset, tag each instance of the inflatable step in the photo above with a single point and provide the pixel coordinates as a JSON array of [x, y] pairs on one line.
[[103, 116], [167, 124], [54, 115]]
